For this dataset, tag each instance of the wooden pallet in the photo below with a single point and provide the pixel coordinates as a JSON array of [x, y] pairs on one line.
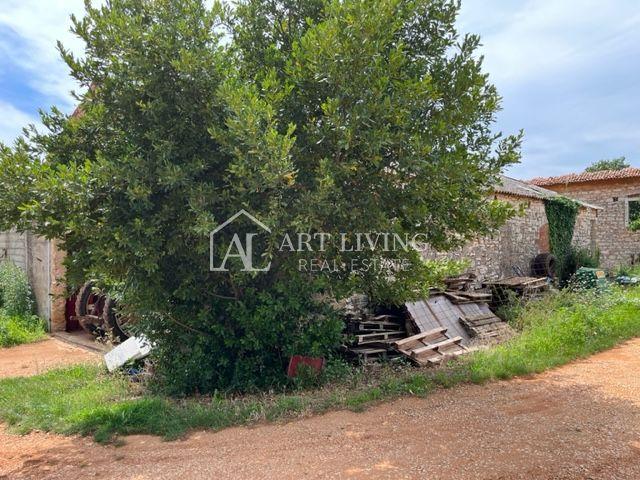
[[430, 347], [371, 354], [375, 326], [377, 337], [486, 326], [420, 340], [435, 353]]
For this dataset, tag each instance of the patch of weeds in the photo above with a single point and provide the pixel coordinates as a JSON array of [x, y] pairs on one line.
[[16, 330]]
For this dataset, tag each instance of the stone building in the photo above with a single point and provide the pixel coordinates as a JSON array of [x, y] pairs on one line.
[[618, 193], [509, 251]]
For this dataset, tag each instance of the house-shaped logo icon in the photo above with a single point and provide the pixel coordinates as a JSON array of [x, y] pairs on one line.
[[236, 247]]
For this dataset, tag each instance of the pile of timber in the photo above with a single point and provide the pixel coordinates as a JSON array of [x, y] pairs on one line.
[[486, 328], [523, 287], [431, 347], [473, 321], [461, 290], [368, 336], [460, 283], [462, 297]]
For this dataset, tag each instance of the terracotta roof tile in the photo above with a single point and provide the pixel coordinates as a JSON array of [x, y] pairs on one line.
[[630, 172]]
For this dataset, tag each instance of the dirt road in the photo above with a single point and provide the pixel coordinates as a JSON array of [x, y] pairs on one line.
[[581, 421], [35, 358]]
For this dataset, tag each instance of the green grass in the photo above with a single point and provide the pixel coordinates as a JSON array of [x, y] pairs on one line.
[[86, 400], [17, 329], [561, 328]]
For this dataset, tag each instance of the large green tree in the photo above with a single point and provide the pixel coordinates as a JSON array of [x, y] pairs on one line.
[[315, 116]]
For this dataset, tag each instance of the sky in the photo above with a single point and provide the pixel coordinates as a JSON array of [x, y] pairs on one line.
[[568, 72]]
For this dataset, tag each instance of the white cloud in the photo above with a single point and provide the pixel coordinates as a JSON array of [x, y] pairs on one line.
[[31, 29], [568, 73], [543, 37], [12, 122]]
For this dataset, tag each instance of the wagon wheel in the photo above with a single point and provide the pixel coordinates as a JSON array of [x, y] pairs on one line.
[[117, 323], [89, 308]]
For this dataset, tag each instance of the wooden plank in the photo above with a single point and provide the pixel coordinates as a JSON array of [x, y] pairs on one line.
[[427, 357], [378, 325], [419, 336], [476, 295], [408, 348], [436, 346], [377, 337], [457, 298], [384, 318], [478, 322], [480, 316]]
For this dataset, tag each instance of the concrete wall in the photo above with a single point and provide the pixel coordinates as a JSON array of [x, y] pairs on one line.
[[58, 320], [518, 241], [32, 254], [618, 245]]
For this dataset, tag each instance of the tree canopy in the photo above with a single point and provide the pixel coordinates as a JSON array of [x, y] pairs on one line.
[[617, 163], [312, 115]]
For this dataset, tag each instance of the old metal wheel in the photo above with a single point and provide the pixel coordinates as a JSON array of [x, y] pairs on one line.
[[117, 323]]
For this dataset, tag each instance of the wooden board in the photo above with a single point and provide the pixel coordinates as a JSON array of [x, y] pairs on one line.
[[518, 281], [377, 337], [420, 336], [438, 311]]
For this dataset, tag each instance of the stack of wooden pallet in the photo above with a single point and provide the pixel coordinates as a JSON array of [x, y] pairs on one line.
[[431, 347], [368, 336], [462, 297], [523, 287], [486, 327], [461, 290], [460, 283]]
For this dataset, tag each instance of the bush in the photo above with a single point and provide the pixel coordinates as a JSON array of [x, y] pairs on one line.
[[576, 258], [16, 298], [251, 350], [21, 329]]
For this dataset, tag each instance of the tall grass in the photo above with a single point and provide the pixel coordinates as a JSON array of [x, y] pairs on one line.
[[562, 327], [17, 322], [559, 328]]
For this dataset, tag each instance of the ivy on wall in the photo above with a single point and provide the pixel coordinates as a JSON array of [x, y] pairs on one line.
[[561, 215]]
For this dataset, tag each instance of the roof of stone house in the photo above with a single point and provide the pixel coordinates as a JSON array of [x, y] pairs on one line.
[[630, 172], [518, 188]]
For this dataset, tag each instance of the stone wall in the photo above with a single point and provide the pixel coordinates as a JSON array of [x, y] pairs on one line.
[[511, 249], [618, 245], [31, 253]]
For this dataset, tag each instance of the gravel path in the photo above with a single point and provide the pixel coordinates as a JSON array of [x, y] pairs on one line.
[[34, 358], [581, 421]]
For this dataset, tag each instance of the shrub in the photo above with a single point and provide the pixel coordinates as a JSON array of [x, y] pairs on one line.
[[16, 298], [21, 329], [575, 259], [251, 350]]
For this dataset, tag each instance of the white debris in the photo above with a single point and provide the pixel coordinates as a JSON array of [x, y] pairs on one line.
[[133, 348]]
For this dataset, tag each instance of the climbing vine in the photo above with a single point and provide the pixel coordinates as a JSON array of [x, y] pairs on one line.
[[561, 215]]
